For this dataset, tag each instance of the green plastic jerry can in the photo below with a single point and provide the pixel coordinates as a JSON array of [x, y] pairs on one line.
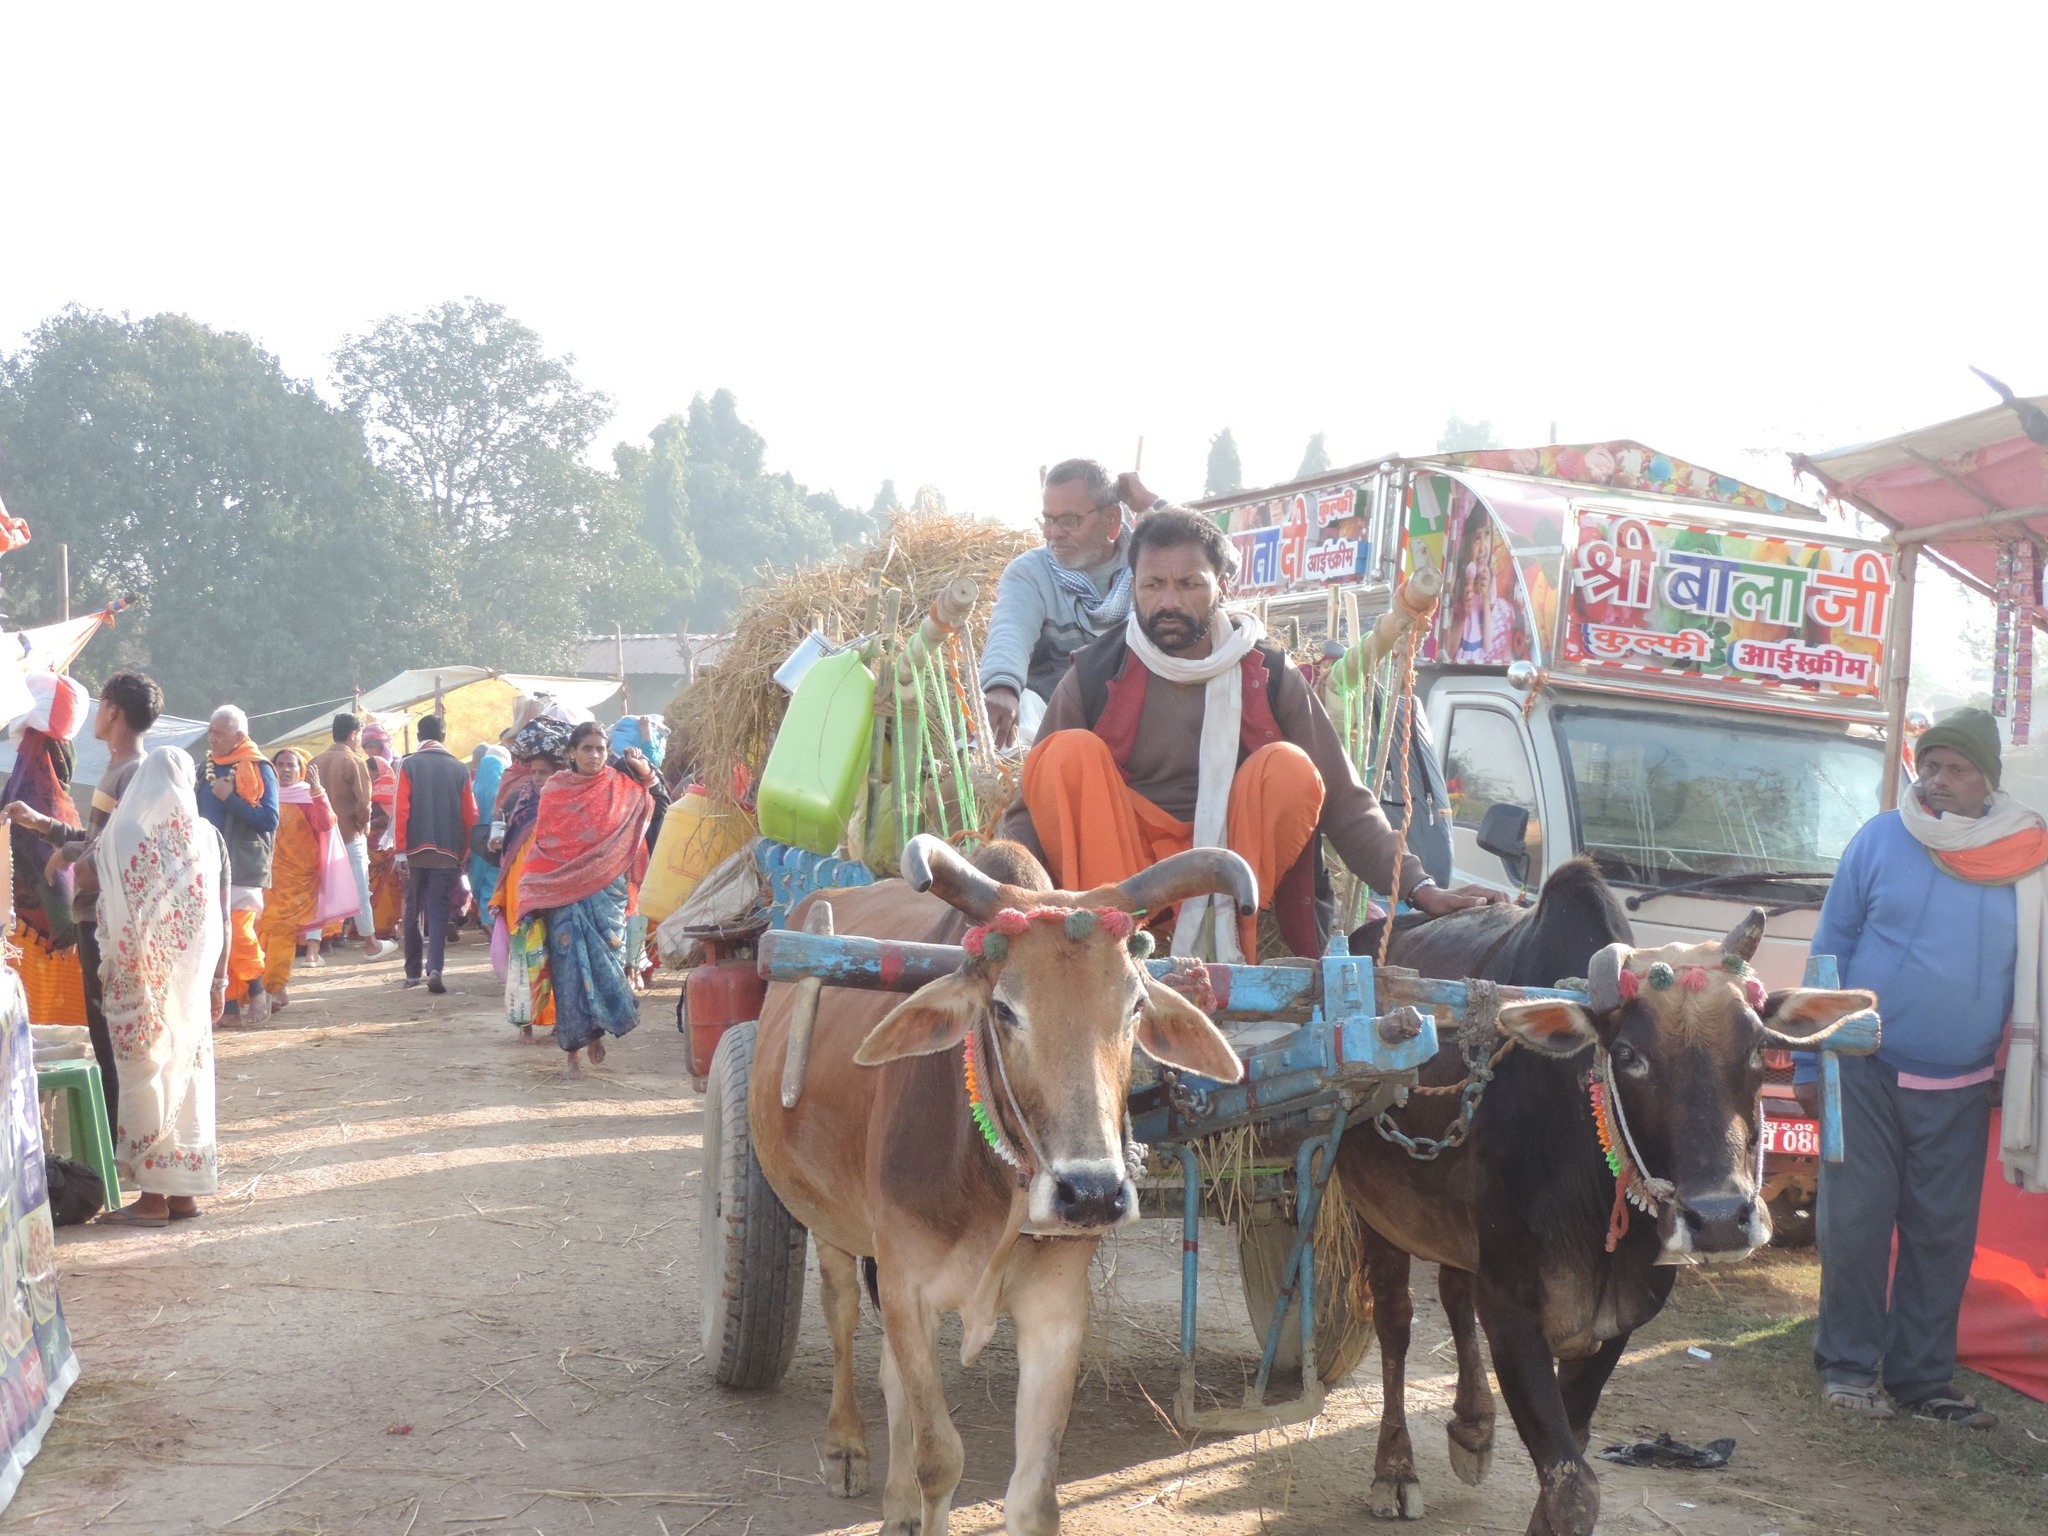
[[820, 755]]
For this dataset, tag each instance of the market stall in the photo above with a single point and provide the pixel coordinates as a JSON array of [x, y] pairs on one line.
[[1971, 496]]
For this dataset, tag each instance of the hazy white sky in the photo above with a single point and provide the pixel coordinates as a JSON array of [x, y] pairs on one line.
[[950, 244]]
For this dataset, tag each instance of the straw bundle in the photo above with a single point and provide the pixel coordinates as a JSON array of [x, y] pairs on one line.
[[730, 714]]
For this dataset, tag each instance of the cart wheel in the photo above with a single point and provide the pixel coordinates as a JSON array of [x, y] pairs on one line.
[[1342, 1336], [1792, 1217], [751, 1263]]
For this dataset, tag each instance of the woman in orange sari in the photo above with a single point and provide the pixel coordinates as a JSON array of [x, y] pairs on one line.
[[305, 866], [387, 887]]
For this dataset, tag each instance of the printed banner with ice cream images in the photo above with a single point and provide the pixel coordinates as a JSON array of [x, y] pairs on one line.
[[1750, 608], [37, 1366]]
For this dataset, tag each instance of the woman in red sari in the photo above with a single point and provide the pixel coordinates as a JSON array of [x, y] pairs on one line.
[[582, 876]]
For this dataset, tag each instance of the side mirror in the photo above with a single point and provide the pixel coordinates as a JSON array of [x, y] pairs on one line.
[[1504, 833]]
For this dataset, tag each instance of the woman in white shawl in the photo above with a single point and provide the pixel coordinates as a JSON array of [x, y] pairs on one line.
[[163, 968]]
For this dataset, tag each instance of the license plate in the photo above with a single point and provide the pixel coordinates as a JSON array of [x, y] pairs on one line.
[[1794, 1138]]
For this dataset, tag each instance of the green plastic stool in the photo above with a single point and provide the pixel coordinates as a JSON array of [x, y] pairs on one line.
[[81, 1080]]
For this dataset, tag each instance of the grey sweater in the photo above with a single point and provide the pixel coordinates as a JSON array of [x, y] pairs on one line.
[[1037, 624]]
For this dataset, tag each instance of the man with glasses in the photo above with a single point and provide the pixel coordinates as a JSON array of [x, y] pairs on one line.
[[1055, 599]]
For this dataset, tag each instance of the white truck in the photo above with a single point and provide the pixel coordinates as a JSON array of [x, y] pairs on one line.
[[1634, 659]]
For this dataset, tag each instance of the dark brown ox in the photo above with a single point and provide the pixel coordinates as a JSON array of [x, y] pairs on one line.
[[880, 1157], [1521, 1214]]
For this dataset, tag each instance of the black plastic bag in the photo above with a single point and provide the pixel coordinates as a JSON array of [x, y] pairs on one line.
[[77, 1194]]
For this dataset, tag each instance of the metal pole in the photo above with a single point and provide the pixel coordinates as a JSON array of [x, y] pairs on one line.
[[1898, 672], [64, 580]]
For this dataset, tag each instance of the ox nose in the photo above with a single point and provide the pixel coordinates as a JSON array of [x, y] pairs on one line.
[[1089, 1197], [1719, 1223]]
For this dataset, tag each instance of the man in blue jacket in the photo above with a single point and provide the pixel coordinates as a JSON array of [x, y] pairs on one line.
[[1054, 599], [1912, 917], [239, 796]]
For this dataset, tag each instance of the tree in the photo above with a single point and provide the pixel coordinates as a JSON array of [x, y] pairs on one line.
[[1460, 436], [657, 480], [1315, 459], [735, 517], [1226, 474], [886, 503], [182, 465], [464, 407]]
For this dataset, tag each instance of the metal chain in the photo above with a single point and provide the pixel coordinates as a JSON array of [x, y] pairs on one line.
[[1483, 1003]]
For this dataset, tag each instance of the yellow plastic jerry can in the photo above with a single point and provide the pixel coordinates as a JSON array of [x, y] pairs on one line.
[[820, 756], [698, 834]]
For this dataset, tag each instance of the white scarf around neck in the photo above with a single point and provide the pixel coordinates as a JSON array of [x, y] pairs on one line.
[[1221, 672], [2023, 1136]]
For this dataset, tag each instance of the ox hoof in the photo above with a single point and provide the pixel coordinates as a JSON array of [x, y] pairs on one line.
[[902, 1525], [1397, 1498], [846, 1472], [1470, 1462]]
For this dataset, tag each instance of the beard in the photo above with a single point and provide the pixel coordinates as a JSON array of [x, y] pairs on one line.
[[1174, 630]]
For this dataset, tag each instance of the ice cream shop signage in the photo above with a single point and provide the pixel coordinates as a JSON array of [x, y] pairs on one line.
[[1746, 607]]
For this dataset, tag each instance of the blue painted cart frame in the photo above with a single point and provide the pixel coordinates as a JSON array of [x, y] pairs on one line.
[[1359, 1035]]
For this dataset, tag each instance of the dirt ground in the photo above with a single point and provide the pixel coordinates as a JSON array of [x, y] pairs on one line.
[[443, 1293]]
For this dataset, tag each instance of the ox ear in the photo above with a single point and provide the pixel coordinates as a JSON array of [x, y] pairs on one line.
[[1808, 1015], [935, 1017], [1549, 1025], [1174, 1031]]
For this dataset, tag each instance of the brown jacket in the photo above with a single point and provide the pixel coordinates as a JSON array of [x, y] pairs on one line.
[[1164, 767], [345, 775]]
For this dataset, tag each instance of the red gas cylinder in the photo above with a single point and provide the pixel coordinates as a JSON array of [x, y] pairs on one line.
[[723, 991]]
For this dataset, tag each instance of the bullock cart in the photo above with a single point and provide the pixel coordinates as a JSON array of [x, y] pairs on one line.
[[1326, 1045]]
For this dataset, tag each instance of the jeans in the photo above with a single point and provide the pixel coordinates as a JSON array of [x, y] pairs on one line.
[[96, 1018], [427, 894], [1914, 1165], [359, 862]]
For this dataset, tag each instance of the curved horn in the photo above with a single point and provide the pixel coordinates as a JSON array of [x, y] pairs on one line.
[[930, 864], [1603, 978], [1744, 937], [1198, 872]]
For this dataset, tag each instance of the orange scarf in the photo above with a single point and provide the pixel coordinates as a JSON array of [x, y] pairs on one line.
[[2005, 862], [248, 776]]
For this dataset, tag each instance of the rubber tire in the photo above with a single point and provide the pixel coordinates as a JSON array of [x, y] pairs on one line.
[[1342, 1340], [1792, 1219], [751, 1259]]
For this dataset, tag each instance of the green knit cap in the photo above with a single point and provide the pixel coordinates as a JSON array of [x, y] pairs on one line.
[[1972, 732]]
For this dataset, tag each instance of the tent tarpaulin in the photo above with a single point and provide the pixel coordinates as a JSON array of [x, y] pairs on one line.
[[2004, 1328], [477, 701]]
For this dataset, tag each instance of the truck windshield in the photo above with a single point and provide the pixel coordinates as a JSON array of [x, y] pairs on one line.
[[1663, 800]]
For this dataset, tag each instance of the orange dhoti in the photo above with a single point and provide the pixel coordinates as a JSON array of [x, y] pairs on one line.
[[1096, 830], [245, 953]]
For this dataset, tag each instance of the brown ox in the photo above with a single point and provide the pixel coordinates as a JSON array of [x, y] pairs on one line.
[[1525, 1217], [881, 1157]]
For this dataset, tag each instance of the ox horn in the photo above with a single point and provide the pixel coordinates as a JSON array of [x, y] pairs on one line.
[[1198, 872], [930, 864], [1744, 937], [1603, 978]]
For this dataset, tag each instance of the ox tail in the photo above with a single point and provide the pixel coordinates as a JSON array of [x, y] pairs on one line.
[[870, 1274]]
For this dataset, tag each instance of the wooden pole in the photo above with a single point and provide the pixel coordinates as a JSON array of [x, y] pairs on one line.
[[1898, 672]]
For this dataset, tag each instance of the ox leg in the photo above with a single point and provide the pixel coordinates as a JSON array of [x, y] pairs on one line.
[[1396, 1493], [1470, 1431], [846, 1443], [902, 1504], [1581, 1382], [917, 1500], [1048, 1302], [1568, 1497]]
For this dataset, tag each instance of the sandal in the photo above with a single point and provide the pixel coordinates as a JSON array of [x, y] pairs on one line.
[[1952, 1407], [1857, 1402], [126, 1217]]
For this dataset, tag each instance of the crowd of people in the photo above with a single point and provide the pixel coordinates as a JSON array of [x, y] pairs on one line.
[[199, 882]]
